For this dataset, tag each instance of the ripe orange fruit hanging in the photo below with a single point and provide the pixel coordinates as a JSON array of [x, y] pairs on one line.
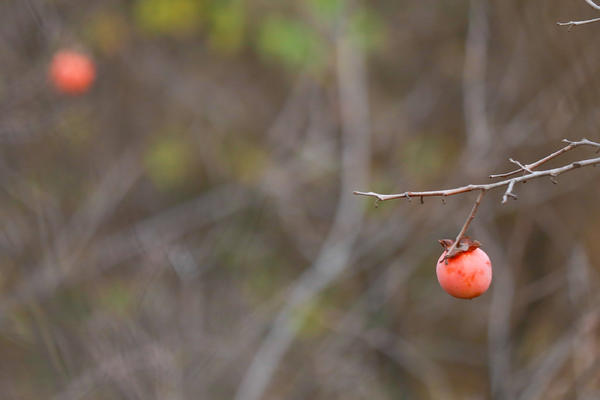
[[72, 72], [467, 274]]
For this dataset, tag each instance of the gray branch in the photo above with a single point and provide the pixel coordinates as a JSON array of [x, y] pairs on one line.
[[338, 247], [552, 173], [570, 24]]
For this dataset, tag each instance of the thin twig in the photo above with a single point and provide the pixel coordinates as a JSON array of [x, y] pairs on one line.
[[594, 5], [571, 24], [554, 172], [509, 192], [451, 251], [518, 164], [571, 145]]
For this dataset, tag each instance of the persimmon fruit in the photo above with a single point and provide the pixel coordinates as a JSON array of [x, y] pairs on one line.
[[72, 72], [466, 275]]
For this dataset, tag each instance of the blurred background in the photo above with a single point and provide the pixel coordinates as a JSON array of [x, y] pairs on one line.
[[186, 229]]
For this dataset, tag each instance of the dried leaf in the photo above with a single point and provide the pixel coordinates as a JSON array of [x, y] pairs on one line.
[[465, 245]]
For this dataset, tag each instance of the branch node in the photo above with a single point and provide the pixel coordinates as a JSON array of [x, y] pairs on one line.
[[523, 167], [454, 249], [509, 192]]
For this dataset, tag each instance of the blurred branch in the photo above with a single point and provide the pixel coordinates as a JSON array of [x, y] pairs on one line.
[[474, 74], [409, 357], [154, 357], [579, 282], [582, 380], [101, 202], [502, 300], [335, 253], [539, 375], [594, 5], [154, 232], [526, 124], [355, 324], [61, 257]]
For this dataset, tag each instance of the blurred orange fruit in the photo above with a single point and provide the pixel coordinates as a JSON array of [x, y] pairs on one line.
[[72, 72]]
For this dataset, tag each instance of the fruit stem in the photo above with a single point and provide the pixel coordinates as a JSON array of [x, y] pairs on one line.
[[452, 250]]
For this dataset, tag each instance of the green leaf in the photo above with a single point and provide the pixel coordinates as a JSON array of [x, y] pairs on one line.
[[169, 17], [367, 29], [248, 161], [325, 9], [292, 43], [108, 32], [227, 25], [167, 162], [116, 298], [426, 156], [308, 318]]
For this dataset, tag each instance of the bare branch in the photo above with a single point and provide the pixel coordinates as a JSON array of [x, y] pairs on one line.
[[592, 4], [570, 24], [456, 247], [523, 167], [552, 173], [571, 145], [509, 192]]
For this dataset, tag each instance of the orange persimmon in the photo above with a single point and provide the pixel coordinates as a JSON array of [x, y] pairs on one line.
[[466, 275]]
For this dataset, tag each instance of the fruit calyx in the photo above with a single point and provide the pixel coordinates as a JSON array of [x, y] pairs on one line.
[[464, 245]]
